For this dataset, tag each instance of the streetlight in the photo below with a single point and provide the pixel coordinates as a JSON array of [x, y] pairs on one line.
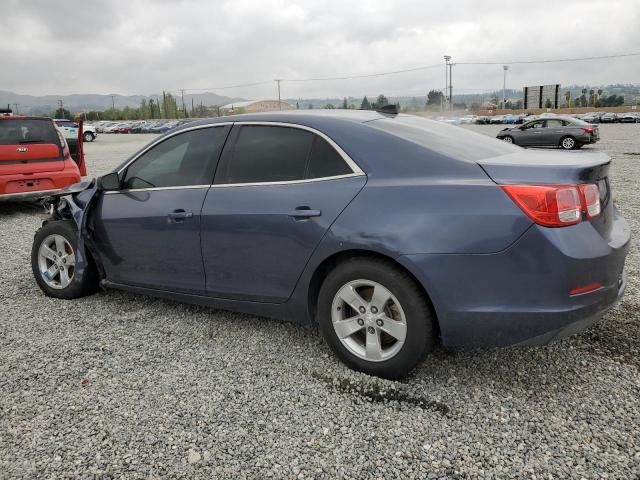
[[504, 87], [447, 76]]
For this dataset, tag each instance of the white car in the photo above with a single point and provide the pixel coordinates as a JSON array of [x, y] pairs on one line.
[[467, 119], [70, 130]]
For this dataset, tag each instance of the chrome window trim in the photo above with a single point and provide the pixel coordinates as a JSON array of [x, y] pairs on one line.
[[153, 189], [287, 182], [356, 171]]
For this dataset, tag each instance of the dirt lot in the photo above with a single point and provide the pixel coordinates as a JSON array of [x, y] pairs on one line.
[[123, 386]]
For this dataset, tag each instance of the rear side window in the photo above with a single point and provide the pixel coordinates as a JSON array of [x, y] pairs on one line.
[[185, 159], [448, 140], [325, 161], [19, 131], [268, 154]]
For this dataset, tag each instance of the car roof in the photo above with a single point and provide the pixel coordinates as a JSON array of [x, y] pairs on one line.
[[309, 118]]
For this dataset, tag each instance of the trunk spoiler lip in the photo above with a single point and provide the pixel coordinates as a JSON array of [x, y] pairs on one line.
[[546, 168], [548, 159]]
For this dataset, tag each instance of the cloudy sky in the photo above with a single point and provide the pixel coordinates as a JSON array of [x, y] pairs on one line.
[[142, 47]]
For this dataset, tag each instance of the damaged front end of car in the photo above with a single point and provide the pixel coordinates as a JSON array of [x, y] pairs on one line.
[[74, 203]]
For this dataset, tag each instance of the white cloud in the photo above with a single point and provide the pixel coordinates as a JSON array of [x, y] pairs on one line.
[[146, 46]]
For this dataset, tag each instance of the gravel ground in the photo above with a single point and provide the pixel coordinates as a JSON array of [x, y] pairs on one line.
[[124, 386]]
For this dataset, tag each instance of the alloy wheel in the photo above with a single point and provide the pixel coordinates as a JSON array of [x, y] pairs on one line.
[[368, 320], [508, 139], [57, 261], [568, 143]]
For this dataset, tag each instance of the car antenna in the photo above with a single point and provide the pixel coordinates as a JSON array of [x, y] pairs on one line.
[[391, 109]]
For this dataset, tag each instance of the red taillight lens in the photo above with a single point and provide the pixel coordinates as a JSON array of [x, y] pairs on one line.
[[548, 205], [588, 129], [556, 205], [591, 196]]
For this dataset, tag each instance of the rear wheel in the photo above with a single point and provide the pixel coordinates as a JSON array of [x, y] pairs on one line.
[[375, 317], [88, 137], [568, 143], [53, 261]]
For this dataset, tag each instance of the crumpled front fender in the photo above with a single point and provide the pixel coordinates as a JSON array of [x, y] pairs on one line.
[[75, 202]]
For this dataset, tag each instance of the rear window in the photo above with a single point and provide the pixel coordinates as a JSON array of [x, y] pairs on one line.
[[449, 140], [23, 131]]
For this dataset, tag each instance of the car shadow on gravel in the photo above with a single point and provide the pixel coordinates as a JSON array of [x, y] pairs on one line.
[[19, 208], [617, 336]]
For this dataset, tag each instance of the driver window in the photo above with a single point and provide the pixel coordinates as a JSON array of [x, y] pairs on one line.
[[185, 159]]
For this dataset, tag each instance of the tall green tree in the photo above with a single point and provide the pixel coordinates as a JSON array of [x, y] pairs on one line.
[[381, 101], [365, 105], [434, 98], [345, 105]]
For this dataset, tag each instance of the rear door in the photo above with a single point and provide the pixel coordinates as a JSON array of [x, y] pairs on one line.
[[554, 130], [148, 233], [277, 191]]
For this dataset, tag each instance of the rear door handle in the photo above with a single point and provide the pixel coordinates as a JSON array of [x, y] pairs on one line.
[[300, 213], [180, 215]]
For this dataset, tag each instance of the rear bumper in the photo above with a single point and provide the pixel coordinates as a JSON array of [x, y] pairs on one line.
[[29, 186], [520, 296], [24, 196]]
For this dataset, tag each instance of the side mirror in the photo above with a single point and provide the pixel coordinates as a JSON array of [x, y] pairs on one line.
[[110, 181]]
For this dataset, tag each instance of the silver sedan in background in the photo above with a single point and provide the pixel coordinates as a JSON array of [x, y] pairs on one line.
[[565, 132]]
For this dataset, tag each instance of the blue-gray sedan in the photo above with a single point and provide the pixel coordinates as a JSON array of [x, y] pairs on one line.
[[392, 232]]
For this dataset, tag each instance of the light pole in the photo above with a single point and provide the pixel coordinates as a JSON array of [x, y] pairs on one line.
[[447, 71], [504, 86]]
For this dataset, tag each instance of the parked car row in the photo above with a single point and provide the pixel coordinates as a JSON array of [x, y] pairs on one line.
[[140, 126], [510, 119]]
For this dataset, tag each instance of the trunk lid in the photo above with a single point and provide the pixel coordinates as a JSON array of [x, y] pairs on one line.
[[539, 167]]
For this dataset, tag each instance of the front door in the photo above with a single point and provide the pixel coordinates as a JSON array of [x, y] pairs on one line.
[[277, 191], [148, 233], [531, 134]]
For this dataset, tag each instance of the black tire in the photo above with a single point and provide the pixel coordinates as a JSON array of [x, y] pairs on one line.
[[568, 143], [420, 330], [89, 137], [80, 285], [508, 139]]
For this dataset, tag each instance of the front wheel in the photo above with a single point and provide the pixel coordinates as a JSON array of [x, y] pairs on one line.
[[568, 143], [53, 261], [507, 139], [88, 137], [375, 317]]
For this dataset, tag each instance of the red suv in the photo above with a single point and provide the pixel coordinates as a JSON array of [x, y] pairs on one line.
[[34, 158]]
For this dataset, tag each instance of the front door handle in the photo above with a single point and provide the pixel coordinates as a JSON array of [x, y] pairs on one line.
[[179, 215], [300, 213]]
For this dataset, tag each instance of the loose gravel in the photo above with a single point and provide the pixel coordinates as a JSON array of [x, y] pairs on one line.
[[123, 386]]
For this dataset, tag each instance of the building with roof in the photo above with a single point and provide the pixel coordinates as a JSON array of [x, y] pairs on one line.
[[254, 106]]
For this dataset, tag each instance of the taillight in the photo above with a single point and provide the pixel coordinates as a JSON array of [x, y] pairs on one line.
[[591, 196], [555, 205], [588, 129]]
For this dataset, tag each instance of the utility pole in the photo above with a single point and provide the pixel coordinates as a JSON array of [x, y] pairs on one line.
[[450, 86], [16, 105], [504, 86], [61, 107], [279, 104], [113, 106], [184, 110], [446, 78]]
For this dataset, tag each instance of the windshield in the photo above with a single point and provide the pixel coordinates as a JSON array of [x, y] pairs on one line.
[[452, 141], [23, 131]]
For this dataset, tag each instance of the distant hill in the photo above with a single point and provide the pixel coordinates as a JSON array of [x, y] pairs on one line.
[[46, 104]]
